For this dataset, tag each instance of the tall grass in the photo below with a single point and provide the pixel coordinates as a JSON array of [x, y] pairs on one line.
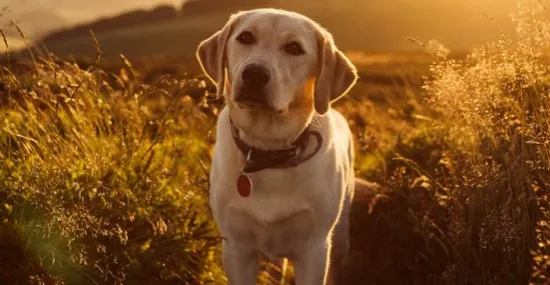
[[466, 198], [103, 179], [494, 108]]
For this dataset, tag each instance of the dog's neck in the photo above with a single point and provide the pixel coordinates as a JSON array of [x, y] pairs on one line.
[[267, 132], [257, 159], [264, 143]]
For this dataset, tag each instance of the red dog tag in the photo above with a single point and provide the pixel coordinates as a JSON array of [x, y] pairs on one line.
[[244, 185]]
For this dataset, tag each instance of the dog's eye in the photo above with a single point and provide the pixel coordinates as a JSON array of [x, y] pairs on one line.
[[246, 38], [294, 48]]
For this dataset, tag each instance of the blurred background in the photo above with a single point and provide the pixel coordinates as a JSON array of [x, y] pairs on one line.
[[139, 28], [104, 160]]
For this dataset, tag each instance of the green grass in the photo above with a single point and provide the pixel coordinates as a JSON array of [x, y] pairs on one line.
[[104, 168]]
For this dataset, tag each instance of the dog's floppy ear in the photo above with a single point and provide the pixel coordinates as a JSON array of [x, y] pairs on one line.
[[336, 73], [212, 56]]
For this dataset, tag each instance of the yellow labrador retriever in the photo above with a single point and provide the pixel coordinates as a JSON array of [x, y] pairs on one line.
[[282, 172]]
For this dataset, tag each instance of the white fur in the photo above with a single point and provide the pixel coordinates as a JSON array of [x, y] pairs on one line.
[[291, 212]]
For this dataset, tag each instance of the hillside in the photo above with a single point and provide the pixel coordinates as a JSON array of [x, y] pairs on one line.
[[194, 7], [356, 25], [125, 20]]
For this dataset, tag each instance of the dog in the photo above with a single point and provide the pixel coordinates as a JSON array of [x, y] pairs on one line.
[[282, 177]]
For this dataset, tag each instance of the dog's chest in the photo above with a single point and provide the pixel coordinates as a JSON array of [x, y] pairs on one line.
[[276, 195], [278, 213], [286, 207]]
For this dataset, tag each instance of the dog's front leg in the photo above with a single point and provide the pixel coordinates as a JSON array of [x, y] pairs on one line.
[[311, 264], [240, 263]]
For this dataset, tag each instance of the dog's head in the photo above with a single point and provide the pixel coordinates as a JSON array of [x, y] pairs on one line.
[[275, 68]]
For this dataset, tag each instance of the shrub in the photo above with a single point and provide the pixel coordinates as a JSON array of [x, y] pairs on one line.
[[465, 197], [103, 180]]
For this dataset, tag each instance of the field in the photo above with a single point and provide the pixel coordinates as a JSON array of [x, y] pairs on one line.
[[104, 167], [383, 26]]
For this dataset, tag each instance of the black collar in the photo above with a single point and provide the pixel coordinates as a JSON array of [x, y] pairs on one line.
[[258, 159]]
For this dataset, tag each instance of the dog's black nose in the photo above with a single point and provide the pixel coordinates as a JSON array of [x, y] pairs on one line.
[[255, 76]]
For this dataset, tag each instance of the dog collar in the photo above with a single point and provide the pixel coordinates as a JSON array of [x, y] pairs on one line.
[[258, 159]]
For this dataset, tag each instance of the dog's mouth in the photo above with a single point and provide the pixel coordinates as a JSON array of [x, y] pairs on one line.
[[251, 106], [256, 104], [246, 101]]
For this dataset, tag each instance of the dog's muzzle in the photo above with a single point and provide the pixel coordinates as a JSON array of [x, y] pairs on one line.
[[253, 89]]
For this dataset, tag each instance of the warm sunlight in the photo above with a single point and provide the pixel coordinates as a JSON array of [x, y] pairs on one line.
[[316, 142]]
